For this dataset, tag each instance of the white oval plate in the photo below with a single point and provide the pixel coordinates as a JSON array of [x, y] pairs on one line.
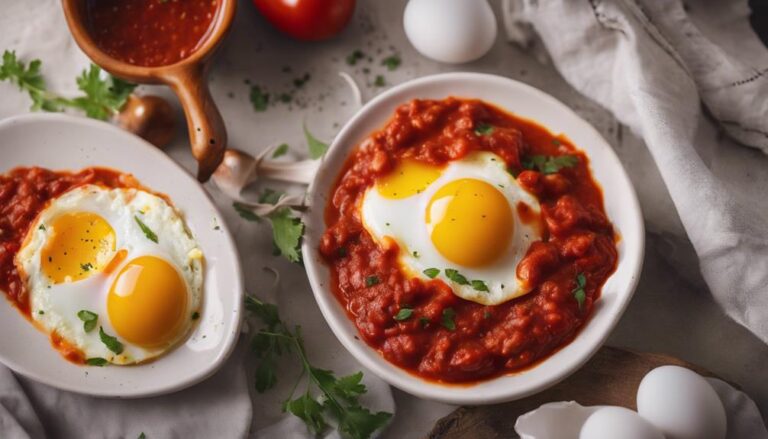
[[61, 142], [620, 204]]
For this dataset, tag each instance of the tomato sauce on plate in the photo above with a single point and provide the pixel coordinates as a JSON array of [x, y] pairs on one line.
[[446, 338], [150, 33]]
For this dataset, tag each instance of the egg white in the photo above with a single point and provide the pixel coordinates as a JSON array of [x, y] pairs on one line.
[[55, 306], [404, 220]]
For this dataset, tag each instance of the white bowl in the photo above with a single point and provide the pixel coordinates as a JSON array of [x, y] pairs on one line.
[[620, 203], [63, 142]]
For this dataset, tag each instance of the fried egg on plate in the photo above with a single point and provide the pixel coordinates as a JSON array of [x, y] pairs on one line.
[[468, 219], [122, 258]]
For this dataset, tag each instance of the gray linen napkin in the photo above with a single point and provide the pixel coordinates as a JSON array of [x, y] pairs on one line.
[[679, 75]]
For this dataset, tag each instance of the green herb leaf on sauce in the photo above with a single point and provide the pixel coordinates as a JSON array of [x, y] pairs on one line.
[[280, 150], [483, 129], [432, 272], [392, 62], [547, 164], [259, 99], [372, 280], [110, 342], [147, 231], [404, 314], [316, 148], [96, 361], [423, 321], [455, 276], [448, 319], [578, 293], [88, 318], [480, 286]]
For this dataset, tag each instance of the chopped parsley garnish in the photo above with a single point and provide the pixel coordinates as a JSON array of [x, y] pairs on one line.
[[447, 320], [548, 164], [423, 321], [110, 342], [342, 252], [556, 142], [391, 62], [578, 293], [280, 150], [89, 319], [379, 81], [147, 231], [339, 397], [316, 148], [372, 280], [96, 361], [354, 57], [259, 98], [245, 213], [455, 276], [86, 267], [195, 315], [42, 227], [480, 286], [404, 314], [101, 98], [415, 254], [487, 315], [483, 129], [299, 82], [41, 312], [432, 272]]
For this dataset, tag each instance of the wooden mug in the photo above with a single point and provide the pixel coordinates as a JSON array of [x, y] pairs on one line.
[[187, 78]]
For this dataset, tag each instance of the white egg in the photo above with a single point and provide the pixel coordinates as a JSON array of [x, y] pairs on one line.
[[93, 249], [618, 422], [681, 404], [464, 217], [450, 31]]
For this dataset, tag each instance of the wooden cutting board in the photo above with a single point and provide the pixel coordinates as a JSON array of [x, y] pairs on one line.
[[611, 377]]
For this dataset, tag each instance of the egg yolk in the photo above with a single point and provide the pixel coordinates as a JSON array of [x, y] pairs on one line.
[[147, 302], [78, 245], [408, 178], [470, 222]]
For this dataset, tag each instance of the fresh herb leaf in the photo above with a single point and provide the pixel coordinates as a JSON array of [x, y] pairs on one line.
[[483, 129], [88, 318], [29, 79], [142, 435], [103, 96], [455, 276], [86, 267], [245, 213], [110, 342], [339, 397], [147, 231], [415, 254], [391, 62], [270, 196], [42, 227], [404, 314], [431, 272], [195, 315], [354, 57], [479, 286], [379, 81], [259, 99], [448, 319], [287, 231], [372, 280], [96, 361], [547, 164], [316, 148], [280, 151], [579, 293]]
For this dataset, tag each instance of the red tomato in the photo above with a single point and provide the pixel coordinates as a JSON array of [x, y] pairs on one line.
[[309, 20]]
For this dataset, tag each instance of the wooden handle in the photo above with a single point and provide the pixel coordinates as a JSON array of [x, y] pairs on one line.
[[207, 133]]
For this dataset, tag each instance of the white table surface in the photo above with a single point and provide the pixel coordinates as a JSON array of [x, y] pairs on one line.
[[672, 311]]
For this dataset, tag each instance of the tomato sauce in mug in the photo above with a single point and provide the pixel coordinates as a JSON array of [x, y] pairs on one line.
[[443, 337], [150, 33]]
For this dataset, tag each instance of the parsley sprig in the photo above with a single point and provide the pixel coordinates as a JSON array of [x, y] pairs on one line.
[[549, 164], [102, 97], [287, 228], [339, 397]]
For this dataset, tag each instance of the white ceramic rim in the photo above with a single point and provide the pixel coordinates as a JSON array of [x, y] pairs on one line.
[[608, 310], [224, 348]]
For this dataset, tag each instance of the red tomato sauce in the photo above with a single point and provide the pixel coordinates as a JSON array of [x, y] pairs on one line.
[[578, 243], [150, 32], [24, 193]]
